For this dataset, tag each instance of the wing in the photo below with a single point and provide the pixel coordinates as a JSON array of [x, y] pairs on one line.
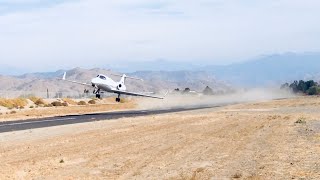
[[75, 82], [137, 94]]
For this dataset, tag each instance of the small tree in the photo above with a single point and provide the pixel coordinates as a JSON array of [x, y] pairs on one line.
[[310, 84], [294, 86], [186, 90], [314, 90], [284, 86], [207, 91], [302, 86]]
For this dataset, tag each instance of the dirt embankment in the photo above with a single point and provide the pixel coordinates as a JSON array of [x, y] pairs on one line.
[[271, 140], [73, 107]]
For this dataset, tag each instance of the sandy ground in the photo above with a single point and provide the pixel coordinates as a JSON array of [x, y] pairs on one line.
[[246, 141]]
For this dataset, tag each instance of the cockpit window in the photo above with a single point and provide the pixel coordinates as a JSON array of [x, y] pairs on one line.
[[102, 77], [98, 75]]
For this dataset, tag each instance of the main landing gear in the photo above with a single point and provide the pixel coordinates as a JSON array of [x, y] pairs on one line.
[[118, 98]]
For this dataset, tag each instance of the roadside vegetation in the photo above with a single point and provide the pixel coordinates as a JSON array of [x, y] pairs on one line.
[[58, 103], [25, 107], [82, 103], [70, 101], [303, 87], [92, 101], [37, 101], [13, 103], [10, 106]]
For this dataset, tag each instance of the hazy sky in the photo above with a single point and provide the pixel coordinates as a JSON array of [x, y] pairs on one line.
[[49, 34]]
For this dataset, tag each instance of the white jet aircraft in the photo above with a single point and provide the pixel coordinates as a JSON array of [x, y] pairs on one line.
[[103, 83]]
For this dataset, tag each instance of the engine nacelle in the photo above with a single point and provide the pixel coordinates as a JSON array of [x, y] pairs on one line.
[[121, 87]]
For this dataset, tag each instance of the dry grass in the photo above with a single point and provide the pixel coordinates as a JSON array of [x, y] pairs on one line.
[[82, 103], [13, 103], [37, 101], [301, 120], [70, 101], [34, 99], [237, 175], [92, 101], [13, 112], [58, 103]]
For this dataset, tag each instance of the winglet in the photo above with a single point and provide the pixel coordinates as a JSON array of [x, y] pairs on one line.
[[166, 94], [64, 76]]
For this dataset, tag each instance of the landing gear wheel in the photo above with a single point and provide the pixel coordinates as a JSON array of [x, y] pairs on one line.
[[117, 99], [98, 96]]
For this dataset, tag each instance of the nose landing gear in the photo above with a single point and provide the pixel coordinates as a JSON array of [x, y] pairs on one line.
[[97, 92]]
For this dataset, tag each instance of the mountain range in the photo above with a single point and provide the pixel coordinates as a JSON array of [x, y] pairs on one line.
[[154, 81], [270, 70], [161, 74], [260, 71]]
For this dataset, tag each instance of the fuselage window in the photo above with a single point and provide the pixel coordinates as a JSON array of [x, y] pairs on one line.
[[102, 77]]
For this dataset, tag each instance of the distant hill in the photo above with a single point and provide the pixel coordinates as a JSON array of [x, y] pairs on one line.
[[268, 70], [154, 81], [261, 71], [157, 65], [196, 80], [44, 75]]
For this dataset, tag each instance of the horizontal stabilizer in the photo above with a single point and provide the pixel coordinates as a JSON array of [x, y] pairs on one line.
[[128, 77]]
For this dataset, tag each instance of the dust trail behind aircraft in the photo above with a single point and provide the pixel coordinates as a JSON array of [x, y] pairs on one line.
[[178, 100]]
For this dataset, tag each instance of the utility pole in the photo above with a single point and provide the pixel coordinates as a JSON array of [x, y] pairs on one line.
[[47, 93]]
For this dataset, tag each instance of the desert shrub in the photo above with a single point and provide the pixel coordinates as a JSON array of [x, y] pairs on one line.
[[13, 112], [237, 175], [21, 102], [37, 101], [92, 101], [33, 98], [31, 107], [65, 104], [301, 120], [82, 103], [314, 90], [47, 105], [40, 102], [13, 103], [70, 101], [57, 103], [308, 87]]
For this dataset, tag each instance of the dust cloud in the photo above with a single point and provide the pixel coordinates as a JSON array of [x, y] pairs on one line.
[[194, 100]]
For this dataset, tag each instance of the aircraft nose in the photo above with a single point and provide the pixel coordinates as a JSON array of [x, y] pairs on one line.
[[93, 82]]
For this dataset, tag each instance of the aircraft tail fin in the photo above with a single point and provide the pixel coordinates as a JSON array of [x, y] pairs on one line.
[[123, 78]]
